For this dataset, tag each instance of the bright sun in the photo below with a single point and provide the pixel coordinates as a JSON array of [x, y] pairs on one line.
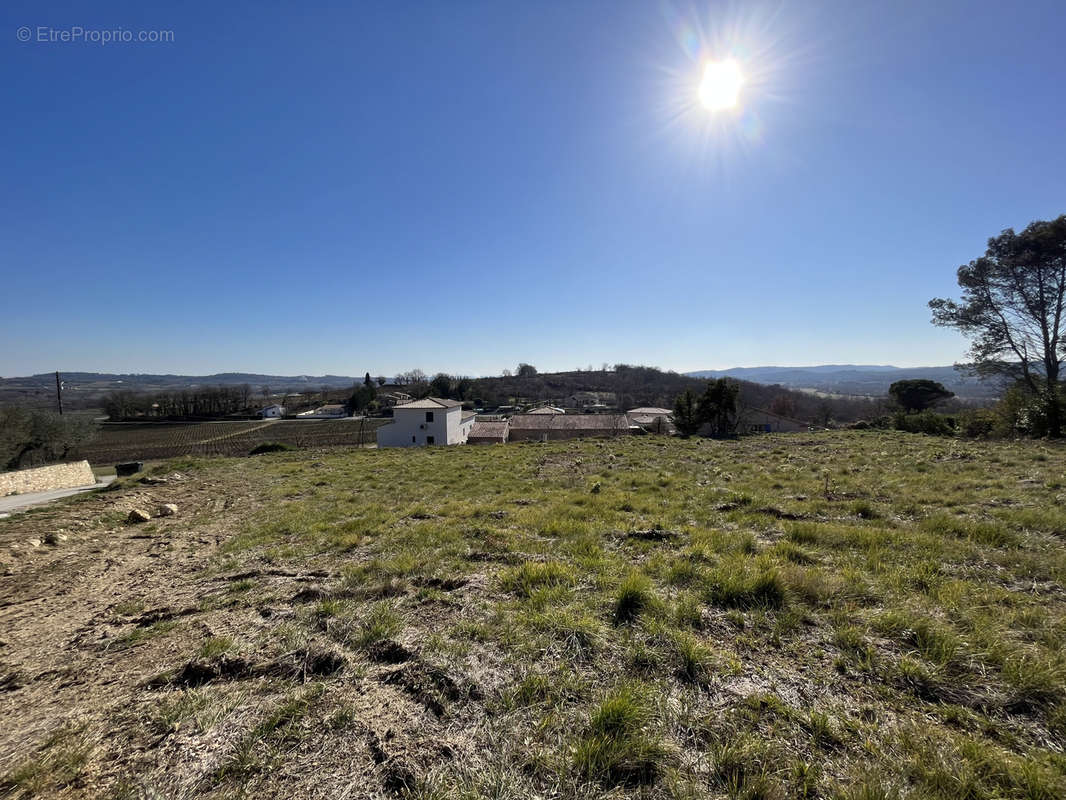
[[720, 85]]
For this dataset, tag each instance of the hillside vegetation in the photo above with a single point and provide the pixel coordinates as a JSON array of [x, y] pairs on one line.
[[852, 615]]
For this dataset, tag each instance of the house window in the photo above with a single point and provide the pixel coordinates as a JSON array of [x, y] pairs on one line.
[[429, 416], [429, 440], [412, 440]]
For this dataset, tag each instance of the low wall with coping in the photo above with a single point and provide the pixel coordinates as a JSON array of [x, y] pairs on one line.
[[45, 479]]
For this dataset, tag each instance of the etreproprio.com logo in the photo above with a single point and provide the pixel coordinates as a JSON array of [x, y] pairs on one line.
[[76, 34]]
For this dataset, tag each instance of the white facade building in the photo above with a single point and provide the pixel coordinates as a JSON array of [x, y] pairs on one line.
[[272, 412], [333, 411], [426, 422]]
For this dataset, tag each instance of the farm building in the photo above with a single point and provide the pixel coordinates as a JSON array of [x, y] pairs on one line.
[[755, 420], [551, 427], [332, 411], [272, 412], [546, 410], [426, 422], [652, 420], [494, 432], [393, 398], [587, 399]]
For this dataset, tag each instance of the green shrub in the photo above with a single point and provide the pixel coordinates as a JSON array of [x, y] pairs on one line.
[[616, 748], [794, 553], [694, 660], [927, 422], [738, 585], [270, 447], [524, 580], [634, 597], [982, 423]]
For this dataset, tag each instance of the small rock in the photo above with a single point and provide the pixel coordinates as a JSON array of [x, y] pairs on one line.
[[166, 510], [138, 515], [33, 542], [54, 538]]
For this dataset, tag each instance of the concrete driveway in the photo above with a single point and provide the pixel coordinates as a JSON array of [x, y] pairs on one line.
[[20, 502]]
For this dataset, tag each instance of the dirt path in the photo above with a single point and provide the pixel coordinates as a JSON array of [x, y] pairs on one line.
[[241, 432], [20, 502], [97, 616], [71, 608]]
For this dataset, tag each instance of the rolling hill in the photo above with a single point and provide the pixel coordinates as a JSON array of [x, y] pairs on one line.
[[857, 379]]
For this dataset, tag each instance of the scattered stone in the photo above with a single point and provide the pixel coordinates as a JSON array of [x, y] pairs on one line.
[[54, 538], [33, 542], [166, 510], [596, 487], [152, 481], [138, 515]]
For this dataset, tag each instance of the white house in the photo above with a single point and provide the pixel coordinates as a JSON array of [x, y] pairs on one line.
[[333, 411], [428, 421], [272, 412]]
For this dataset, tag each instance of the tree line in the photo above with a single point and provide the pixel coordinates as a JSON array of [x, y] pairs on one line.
[[206, 402]]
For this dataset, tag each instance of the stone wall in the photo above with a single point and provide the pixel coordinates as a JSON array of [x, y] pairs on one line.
[[45, 479]]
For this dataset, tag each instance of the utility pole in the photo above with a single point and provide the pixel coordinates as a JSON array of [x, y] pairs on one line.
[[59, 394]]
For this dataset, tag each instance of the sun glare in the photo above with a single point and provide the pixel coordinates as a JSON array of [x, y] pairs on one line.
[[720, 85]]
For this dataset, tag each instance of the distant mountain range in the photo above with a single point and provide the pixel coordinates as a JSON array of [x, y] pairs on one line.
[[138, 380], [85, 389], [867, 380]]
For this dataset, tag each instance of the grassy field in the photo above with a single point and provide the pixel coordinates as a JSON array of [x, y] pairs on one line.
[[839, 615], [125, 441]]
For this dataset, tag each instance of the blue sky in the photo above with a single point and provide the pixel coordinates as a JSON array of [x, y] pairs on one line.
[[459, 186]]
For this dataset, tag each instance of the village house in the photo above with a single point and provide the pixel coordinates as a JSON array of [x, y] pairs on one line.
[[755, 420], [272, 412], [546, 410], [331, 411], [553, 427], [488, 432], [652, 420], [388, 399], [585, 400], [429, 421]]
